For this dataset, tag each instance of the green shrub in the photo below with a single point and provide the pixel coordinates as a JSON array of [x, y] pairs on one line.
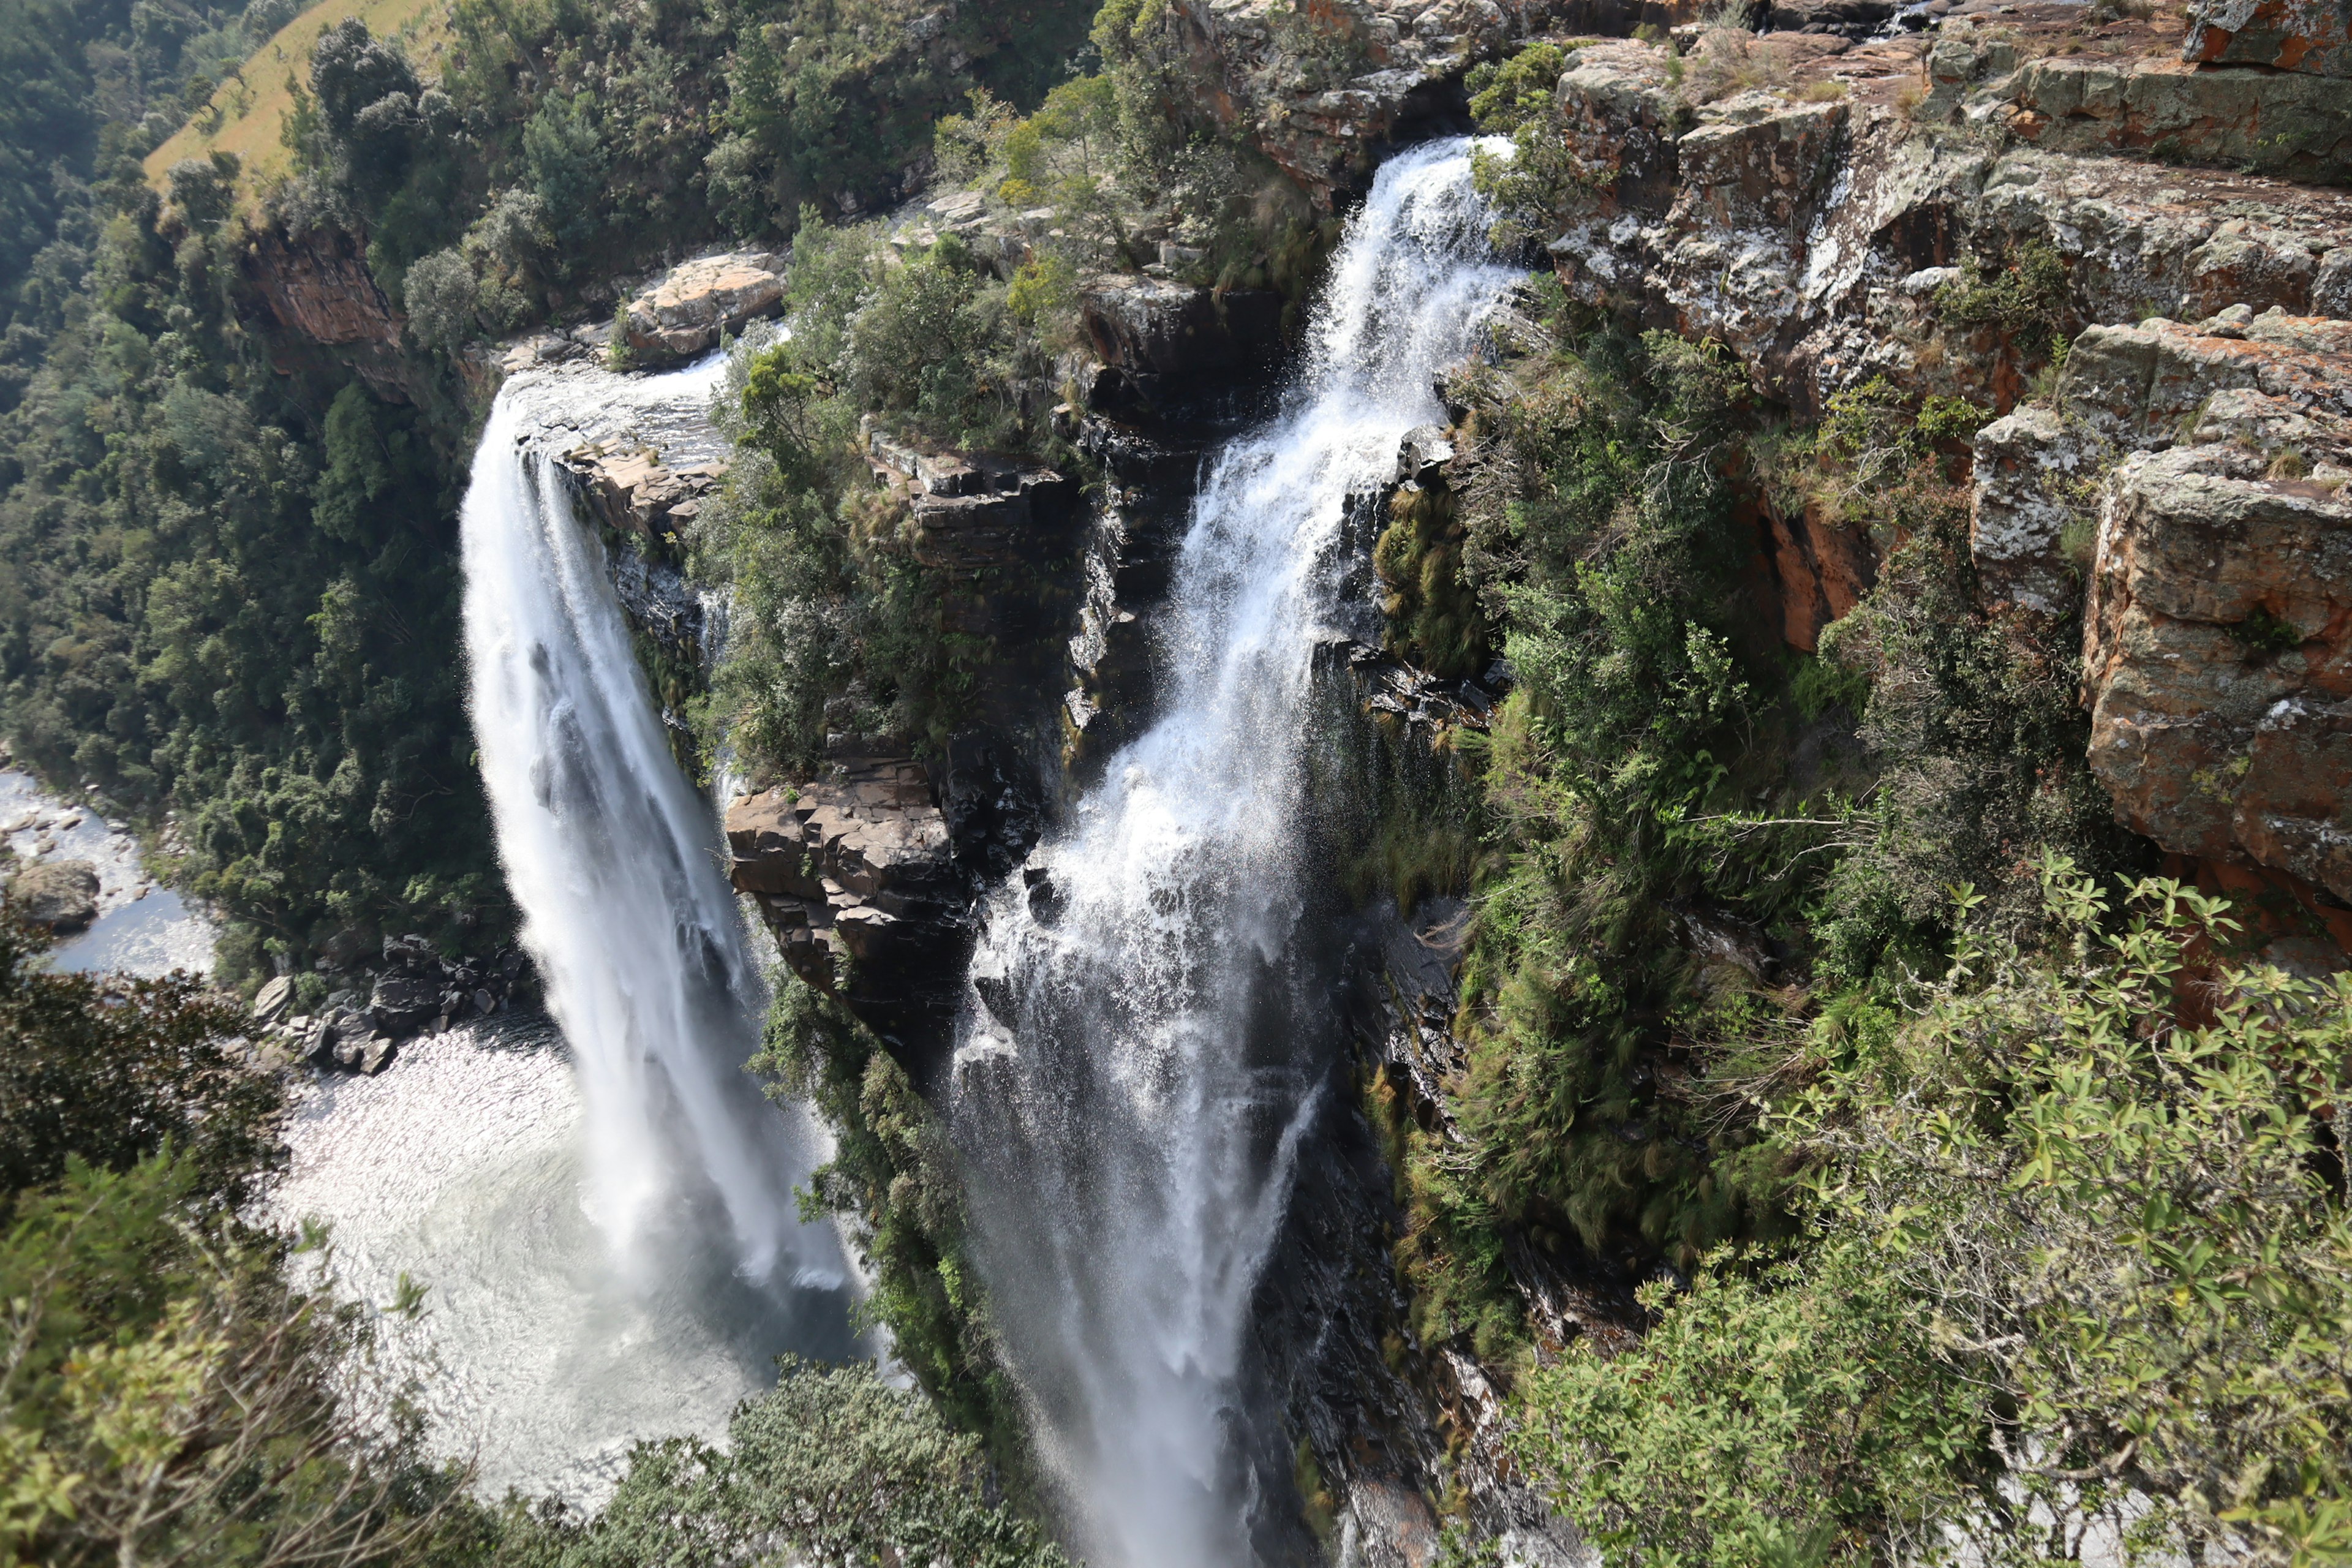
[[2078, 1253]]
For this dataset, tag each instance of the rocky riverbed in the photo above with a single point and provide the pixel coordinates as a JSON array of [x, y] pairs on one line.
[[124, 919]]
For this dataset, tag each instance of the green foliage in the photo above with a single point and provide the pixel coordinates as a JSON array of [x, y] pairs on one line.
[[563, 160], [893, 1176], [838, 628], [108, 1073], [832, 1466], [2022, 295], [1982, 743], [86, 88], [2264, 633], [1791, 1416], [2079, 1253], [230, 593], [1542, 179]]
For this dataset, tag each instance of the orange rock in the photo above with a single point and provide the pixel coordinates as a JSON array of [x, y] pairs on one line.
[[2308, 35]]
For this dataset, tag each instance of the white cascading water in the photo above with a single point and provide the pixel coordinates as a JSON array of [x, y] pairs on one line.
[[1130, 1090], [615, 861]]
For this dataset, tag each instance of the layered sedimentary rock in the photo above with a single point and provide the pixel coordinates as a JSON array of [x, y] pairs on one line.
[[855, 875], [682, 313], [1811, 224], [2218, 637]]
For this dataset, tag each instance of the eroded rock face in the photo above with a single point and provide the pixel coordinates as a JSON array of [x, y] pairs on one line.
[[682, 314], [2292, 35], [59, 894], [2217, 639], [326, 308], [1817, 239], [857, 864]]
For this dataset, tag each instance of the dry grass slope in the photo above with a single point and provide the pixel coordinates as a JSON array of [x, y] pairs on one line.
[[247, 111]]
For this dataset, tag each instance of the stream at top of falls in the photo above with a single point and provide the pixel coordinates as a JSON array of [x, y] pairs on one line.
[[1136, 1063]]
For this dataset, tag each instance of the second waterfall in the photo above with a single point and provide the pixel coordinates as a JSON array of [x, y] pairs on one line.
[[1134, 1066]]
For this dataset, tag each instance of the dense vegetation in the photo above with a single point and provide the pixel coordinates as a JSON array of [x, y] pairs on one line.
[[230, 591], [2003, 1208]]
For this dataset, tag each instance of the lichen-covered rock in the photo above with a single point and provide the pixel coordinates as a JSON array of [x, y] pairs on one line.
[[2307, 35], [2031, 473], [59, 894], [2286, 123], [1821, 240], [683, 313]]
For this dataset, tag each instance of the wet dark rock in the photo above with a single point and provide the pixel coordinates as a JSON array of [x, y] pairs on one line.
[[401, 1004]]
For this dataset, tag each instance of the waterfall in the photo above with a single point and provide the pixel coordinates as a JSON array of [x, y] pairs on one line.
[[1132, 1085], [615, 861]]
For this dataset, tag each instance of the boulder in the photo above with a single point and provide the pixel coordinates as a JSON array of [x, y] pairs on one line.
[[1423, 455], [401, 1004], [272, 1002], [59, 894], [768, 847], [683, 313], [2306, 36]]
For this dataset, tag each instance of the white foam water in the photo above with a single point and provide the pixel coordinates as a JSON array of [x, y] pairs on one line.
[[1130, 1089]]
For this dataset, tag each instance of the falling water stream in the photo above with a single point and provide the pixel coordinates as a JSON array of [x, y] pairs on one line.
[[1132, 1085], [683, 1172]]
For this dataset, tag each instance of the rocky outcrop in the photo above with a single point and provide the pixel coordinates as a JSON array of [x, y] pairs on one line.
[[1809, 225], [61, 895], [2290, 34], [626, 486], [1155, 338], [2217, 639], [682, 314], [855, 875], [1325, 90]]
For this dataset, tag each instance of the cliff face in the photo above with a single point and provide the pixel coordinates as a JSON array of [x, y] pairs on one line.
[[322, 304]]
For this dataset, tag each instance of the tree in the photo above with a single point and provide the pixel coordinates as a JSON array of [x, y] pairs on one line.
[[832, 1466], [112, 1071]]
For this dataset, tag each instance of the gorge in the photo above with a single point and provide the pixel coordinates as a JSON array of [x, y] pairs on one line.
[[1388, 783]]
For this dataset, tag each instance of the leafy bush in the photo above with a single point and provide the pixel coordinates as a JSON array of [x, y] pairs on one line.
[[108, 1073], [2084, 1259]]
